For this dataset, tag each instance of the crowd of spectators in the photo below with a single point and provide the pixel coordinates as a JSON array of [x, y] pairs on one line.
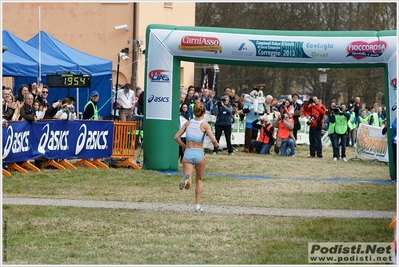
[[312, 109], [30, 103]]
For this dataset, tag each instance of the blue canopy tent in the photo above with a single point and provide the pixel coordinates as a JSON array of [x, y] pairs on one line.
[[51, 63], [16, 66], [48, 63], [100, 69]]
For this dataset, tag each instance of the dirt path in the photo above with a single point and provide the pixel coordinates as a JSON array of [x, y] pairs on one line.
[[208, 209]]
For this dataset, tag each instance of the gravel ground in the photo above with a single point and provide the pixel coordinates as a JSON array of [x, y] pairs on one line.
[[208, 209]]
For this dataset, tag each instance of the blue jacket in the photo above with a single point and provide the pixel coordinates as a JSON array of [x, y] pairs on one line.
[[223, 115]]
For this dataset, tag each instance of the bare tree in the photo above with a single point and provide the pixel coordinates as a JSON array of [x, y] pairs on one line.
[[342, 83]]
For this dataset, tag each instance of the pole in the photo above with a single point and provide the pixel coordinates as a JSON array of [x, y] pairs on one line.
[[215, 71], [77, 102], [135, 48], [214, 83], [116, 86], [39, 78]]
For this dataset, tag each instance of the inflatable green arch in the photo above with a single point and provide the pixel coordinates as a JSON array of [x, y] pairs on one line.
[[168, 45]]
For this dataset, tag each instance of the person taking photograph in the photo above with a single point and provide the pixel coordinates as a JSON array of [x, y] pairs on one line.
[[266, 137], [224, 117]]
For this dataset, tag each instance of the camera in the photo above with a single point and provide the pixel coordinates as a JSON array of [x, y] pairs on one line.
[[69, 106], [219, 103], [337, 108], [311, 119], [311, 101]]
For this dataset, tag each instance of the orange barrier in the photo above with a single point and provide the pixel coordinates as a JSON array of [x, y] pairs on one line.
[[6, 173], [85, 162], [124, 145], [26, 164], [54, 163], [91, 164]]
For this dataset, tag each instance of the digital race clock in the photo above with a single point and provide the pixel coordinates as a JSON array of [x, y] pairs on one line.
[[68, 80]]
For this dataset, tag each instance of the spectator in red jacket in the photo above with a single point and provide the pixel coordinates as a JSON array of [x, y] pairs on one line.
[[315, 122]]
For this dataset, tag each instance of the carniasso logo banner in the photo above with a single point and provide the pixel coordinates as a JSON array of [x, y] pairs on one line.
[[57, 139]]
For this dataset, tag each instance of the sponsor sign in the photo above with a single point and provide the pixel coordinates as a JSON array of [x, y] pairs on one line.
[[361, 49], [17, 142], [57, 139], [154, 98], [275, 48], [350, 252], [393, 83], [371, 143], [159, 83], [200, 43], [245, 49], [159, 76]]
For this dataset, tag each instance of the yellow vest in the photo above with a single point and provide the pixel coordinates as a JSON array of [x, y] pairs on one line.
[[95, 116]]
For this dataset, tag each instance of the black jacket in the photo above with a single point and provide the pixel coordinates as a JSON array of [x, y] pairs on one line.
[[28, 113]]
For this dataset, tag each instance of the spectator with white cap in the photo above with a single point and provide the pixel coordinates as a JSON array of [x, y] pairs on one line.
[[266, 137]]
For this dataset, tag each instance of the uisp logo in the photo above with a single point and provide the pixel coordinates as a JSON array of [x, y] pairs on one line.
[[159, 76], [394, 83]]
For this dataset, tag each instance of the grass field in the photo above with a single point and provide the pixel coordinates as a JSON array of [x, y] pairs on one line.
[[67, 235]]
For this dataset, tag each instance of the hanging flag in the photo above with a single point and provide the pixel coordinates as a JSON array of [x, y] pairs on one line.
[[205, 83]]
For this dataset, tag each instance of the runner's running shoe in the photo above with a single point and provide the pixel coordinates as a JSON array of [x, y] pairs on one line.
[[198, 210], [184, 181]]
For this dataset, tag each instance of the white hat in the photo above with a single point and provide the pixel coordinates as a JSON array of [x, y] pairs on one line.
[[264, 117]]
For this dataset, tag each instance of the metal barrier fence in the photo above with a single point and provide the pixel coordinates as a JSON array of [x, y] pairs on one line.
[[124, 145]]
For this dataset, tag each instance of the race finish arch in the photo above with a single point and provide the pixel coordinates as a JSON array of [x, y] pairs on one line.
[[168, 45]]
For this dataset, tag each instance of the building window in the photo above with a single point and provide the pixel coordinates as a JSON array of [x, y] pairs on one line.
[[168, 5]]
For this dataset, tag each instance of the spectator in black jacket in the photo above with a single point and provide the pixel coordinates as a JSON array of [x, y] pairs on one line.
[[140, 104], [224, 116], [28, 111], [297, 114]]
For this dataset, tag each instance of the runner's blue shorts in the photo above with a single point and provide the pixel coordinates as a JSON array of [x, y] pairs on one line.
[[194, 155]]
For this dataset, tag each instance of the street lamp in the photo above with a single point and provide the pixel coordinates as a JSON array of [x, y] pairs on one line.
[[323, 80], [215, 71], [124, 55]]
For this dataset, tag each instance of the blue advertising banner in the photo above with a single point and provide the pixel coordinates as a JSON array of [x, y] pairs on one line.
[[16, 142], [57, 139]]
